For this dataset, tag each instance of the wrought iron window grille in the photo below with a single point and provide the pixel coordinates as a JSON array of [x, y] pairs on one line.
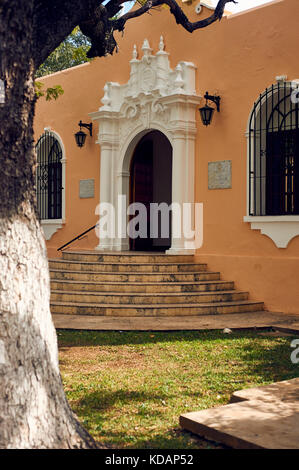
[[274, 153], [49, 177]]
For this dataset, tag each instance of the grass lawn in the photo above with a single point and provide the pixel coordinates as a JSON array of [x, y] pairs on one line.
[[129, 388]]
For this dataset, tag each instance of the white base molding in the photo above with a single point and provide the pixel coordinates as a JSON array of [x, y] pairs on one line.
[[50, 226], [281, 228]]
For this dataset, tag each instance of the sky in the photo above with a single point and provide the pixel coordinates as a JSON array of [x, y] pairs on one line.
[[243, 5]]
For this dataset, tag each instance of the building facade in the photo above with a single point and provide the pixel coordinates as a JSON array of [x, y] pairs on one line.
[[148, 145]]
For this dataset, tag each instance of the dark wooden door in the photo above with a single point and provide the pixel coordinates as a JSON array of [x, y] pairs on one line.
[[142, 188]]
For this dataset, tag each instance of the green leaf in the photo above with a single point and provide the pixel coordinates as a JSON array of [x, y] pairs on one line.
[[54, 92], [50, 93]]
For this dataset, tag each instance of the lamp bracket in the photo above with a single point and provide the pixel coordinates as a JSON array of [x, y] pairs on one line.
[[214, 99], [87, 126]]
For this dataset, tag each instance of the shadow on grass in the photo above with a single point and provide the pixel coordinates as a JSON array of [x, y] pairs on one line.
[[91, 409], [267, 361], [102, 400], [71, 338], [226, 363], [172, 439]]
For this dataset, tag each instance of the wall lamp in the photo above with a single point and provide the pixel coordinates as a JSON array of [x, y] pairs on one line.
[[206, 112], [80, 136]]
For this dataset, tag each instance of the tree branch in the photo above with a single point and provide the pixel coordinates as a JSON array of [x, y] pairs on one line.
[[54, 20], [178, 13]]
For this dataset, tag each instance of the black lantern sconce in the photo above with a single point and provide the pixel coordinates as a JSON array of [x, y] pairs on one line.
[[80, 136], [206, 113]]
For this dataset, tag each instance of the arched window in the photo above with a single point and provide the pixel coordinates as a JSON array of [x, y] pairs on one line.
[[49, 177], [274, 153]]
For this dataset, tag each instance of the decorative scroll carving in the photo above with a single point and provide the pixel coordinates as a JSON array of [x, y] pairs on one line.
[[155, 96]]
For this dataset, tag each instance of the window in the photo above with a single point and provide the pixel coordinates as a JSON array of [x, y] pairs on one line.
[[49, 177], [274, 153], [273, 164]]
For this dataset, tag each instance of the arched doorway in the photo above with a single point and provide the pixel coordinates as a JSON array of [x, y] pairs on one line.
[[151, 185], [155, 97]]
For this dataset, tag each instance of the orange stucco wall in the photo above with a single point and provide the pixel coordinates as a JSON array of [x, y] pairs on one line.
[[237, 59]]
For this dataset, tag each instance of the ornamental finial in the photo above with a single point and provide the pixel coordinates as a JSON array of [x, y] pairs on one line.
[[161, 44], [146, 48], [135, 53]]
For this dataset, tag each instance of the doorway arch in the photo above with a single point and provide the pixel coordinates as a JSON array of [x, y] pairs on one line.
[[151, 185], [155, 98]]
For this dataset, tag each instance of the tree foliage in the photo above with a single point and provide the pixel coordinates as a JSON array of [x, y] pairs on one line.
[[51, 93], [72, 51]]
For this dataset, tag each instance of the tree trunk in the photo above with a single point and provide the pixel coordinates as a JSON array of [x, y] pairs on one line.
[[34, 412]]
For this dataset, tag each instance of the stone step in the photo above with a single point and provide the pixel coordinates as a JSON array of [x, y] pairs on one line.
[[235, 321], [141, 287], [133, 277], [147, 299], [129, 257], [126, 267], [264, 417], [141, 284], [215, 308]]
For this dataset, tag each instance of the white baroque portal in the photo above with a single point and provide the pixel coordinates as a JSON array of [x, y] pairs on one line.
[[155, 98]]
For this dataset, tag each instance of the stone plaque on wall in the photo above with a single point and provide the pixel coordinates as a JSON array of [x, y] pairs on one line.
[[86, 188], [220, 174]]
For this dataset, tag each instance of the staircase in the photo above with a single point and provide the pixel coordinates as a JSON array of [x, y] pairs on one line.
[[139, 284]]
